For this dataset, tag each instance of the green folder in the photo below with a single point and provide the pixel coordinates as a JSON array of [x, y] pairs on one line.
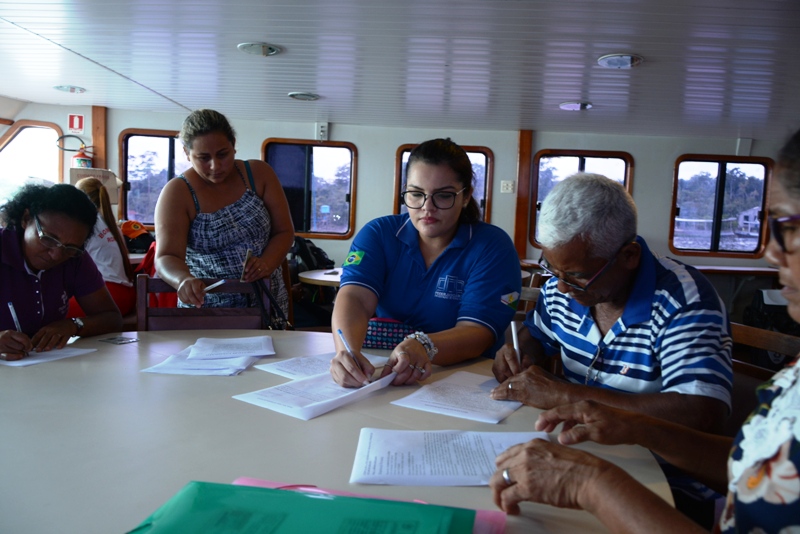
[[205, 507]]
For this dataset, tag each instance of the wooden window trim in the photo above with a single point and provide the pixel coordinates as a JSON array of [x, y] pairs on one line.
[[555, 152], [712, 158], [486, 151], [20, 125], [353, 180]]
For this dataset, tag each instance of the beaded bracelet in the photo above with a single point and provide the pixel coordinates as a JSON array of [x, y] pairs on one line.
[[426, 342]]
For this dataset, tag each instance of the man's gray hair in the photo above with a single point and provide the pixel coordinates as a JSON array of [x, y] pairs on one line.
[[592, 206]]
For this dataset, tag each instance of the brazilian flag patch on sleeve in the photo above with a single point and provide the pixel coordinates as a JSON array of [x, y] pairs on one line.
[[354, 258]]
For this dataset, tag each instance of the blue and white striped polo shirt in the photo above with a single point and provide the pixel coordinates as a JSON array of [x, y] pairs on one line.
[[673, 335]]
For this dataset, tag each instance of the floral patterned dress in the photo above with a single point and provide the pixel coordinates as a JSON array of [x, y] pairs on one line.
[[764, 485]]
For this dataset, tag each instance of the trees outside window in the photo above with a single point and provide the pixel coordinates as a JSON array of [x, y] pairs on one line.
[[719, 206], [319, 179]]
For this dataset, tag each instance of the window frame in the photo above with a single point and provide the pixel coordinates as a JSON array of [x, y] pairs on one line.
[[715, 158], [124, 135], [17, 126], [535, 204], [353, 180], [488, 182]]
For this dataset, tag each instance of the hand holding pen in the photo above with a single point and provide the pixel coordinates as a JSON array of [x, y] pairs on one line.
[[343, 380], [14, 344]]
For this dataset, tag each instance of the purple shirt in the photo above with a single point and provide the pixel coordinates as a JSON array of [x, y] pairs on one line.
[[40, 299]]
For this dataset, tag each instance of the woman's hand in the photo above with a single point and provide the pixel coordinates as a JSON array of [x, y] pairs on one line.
[[410, 361], [192, 291], [14, 345], [505, 363], [347, 373], [255, 269], [548, 473], [53, 336], [534, 387]]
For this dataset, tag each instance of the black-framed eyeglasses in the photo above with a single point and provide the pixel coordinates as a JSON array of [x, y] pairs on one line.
[[51, 242], [779, 229], [545, 265], [444, 200]]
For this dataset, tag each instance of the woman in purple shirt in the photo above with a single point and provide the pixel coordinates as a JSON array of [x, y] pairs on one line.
[[42, 265]]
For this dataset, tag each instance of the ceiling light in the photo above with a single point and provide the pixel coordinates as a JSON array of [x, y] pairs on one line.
[[306, 97], [259, 49], [70, 89], [620, 61], [575, 106]]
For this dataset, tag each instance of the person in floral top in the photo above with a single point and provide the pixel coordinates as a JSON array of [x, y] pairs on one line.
[[759, 469]]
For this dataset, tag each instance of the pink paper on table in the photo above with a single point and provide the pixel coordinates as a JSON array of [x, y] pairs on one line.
[[486, 521]]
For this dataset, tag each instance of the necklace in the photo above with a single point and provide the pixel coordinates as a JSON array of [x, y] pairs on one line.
[[597, 356]]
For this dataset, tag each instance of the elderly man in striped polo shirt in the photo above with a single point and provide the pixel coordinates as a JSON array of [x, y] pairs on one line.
[[633, 330]]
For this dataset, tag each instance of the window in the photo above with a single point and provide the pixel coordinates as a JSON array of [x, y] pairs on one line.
[[552, 166], [319, 179], [29, 152], [718, 206], [149, 158], [482, 165]]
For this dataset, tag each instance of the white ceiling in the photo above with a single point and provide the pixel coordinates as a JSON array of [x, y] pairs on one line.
[[719, 68]]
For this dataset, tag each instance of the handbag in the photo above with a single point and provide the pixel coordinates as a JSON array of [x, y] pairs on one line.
[[272, 316], [385, 333]]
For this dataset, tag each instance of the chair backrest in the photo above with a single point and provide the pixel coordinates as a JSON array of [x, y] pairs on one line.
[[152, 318], [746, 376]]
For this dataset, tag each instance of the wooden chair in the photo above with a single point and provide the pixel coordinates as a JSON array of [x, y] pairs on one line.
[[171, 318], [746, 376]]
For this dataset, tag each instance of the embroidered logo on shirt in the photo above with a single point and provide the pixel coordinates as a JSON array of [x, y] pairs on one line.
[[511, 300], [449, 287], [354, 258]]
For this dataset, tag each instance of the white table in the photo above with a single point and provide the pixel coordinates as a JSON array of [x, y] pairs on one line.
[[322, 277], [90, 444]]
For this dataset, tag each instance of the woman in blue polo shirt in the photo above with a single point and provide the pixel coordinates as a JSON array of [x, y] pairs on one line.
[[42, 265], [449, 279]]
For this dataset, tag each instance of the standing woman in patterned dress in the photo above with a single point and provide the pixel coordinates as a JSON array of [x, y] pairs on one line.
[[207, 219]]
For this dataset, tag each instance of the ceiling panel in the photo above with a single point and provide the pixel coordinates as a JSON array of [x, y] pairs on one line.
[[712, 68]]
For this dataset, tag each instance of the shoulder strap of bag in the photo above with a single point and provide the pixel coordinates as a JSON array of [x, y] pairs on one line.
[[283, 323]]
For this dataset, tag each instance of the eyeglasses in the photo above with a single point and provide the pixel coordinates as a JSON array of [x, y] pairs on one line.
[[52, 242], [545, 265], [780, 229], [444, 200]]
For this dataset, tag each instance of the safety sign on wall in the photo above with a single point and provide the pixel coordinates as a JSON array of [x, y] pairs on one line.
[[75, 124]]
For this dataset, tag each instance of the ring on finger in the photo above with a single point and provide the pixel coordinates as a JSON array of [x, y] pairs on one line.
[[507, 478]]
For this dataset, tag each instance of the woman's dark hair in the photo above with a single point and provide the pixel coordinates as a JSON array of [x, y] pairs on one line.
[[202, 122], [446, 152], [788, 167], [64, 199]]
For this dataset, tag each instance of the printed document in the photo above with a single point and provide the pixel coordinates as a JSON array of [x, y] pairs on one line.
[[305, 366], [40, 357], [180, 364], [213, 349], [431, 458], [462, 394], [310, 397]]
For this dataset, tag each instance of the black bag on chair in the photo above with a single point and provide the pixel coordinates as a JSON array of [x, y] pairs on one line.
[[273, 317]]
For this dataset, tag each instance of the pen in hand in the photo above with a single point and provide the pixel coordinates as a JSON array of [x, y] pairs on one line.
[[515, 340], [16, 319], [350, 352], [212, 286]]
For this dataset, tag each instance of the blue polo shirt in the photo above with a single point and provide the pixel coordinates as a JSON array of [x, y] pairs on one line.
[[40, 298], [477, 277], [673, 335]]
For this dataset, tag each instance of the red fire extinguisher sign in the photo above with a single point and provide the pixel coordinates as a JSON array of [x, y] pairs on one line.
[[76, 124]]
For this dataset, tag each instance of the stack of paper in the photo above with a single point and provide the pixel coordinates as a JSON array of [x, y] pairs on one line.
[[220, 357]]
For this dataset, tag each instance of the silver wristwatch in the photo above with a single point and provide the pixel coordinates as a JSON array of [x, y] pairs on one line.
[[78, 322]]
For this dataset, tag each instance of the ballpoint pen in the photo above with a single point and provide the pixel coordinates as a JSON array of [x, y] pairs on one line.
[[14, 316], [212, 286], [515, 340], [16, 319], [350, 352]]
